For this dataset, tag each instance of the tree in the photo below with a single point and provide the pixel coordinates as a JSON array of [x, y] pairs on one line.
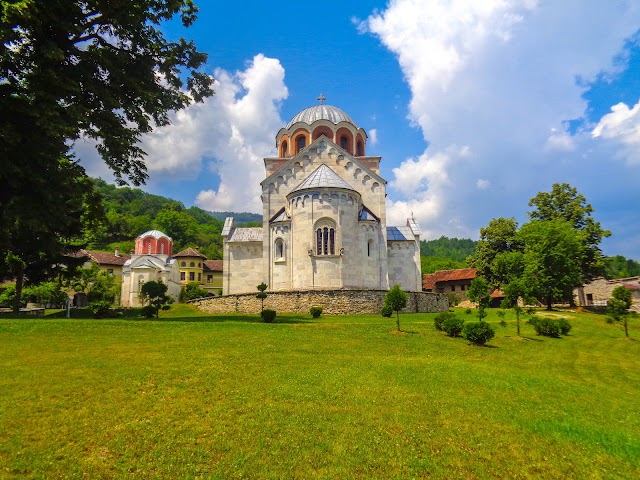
[[498, 239], [156, 294], [262, 295], [70, 68], [552, 259], [100, 69], [618, 306], [565, 203], [513, 292], [479, 293], [397, 299]]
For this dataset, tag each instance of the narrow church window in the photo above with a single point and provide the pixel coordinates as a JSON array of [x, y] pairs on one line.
[[301, 142], [344, 142], [369, 248], [149, 248], [284, 149], [359, 149], [162, 248], [325, 241], [279, 250]]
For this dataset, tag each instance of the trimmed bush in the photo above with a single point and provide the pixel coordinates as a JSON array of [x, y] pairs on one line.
[[453, 299], [148, 311], [468, 311], [564, 325], [547, 328], [478, 333], [315, 311], [100, 308], [440, 318], [453, 326], [268, 316], [386, 311]]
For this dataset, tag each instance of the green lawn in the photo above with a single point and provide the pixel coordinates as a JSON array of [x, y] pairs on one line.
[[196, 396]]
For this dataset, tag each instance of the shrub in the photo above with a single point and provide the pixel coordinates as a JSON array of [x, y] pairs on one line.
[[453, 326], [440, 318], [386, 311], [315, 311], [453, 299], [100, 308], [268, 316], [468, 311], [547, 328], [501, 313], [565, 326], [478, 333], [148, 311]]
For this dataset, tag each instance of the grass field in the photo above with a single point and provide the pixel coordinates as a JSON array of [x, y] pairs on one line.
[[196, 396]]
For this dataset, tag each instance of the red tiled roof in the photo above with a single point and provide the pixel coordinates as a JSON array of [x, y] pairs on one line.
[[497, 293], [213, 265], [429, 280], [105, 258], [189, 252]]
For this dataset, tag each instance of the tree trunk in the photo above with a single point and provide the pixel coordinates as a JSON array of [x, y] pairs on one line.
[[19, 282], [549, 303], [518, 322], [398, 320], [626, 326]]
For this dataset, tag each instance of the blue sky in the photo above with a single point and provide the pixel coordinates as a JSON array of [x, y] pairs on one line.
[[474, 106]]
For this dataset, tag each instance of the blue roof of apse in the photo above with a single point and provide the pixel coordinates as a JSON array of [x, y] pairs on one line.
[[400, 234]]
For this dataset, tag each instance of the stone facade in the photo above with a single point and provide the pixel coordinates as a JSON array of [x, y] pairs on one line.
[[324, 217], [333, 302], [599, 291]]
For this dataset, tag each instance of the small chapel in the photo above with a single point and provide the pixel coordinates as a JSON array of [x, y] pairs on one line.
[[324, 216]]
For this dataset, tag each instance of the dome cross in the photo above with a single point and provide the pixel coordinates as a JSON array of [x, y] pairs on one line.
[[321, 98]]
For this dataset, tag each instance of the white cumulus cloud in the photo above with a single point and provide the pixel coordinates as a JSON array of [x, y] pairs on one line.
[[622, 125], [373, 136], [498, 76]]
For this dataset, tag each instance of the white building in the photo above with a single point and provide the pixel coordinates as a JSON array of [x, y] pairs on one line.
[[324, 216]]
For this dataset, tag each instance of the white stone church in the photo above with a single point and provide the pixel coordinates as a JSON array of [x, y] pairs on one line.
[[324, 216]]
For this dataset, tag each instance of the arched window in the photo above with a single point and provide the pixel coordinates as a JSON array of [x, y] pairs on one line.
[[325, 233], [284, 146], [344, 142], [192, 264], [301, 142], [369, 248], [183, 264], [278, 253], [359, 149], [162, 248], [149, 248]]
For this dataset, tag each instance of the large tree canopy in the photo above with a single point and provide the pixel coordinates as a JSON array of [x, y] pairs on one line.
[[101, 69], [565, 203], [98, 68]]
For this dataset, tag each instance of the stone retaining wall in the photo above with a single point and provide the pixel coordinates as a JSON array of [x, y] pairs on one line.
[[333, 302]]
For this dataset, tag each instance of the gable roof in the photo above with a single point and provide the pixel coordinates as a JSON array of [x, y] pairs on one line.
[[189, 252], [429, 280], [280, 216], [323, 177], [366, 214], [213, 265], [322, 138], [252, 234]]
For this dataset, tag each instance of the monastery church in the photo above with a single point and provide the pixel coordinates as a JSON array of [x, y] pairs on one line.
[[324, 216]]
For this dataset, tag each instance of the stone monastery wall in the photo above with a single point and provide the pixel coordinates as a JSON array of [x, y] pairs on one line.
[[333, 302]]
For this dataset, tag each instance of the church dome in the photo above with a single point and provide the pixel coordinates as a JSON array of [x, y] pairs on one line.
[[320, 112]]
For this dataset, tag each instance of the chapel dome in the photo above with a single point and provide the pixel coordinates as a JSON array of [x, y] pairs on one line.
[[155, 234], [320, 112]]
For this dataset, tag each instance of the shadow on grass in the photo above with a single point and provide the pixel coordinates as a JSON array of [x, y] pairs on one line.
[[224, 318]]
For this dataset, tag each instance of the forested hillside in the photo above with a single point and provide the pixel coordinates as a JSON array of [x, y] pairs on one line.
[[131, 211], [445, 253]]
